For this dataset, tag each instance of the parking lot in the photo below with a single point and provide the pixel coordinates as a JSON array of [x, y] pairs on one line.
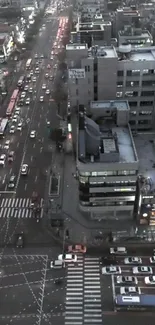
[[28, 290]]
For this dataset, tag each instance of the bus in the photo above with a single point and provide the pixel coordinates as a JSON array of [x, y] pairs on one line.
[[135, 303], [28, 64], [3, 125], [21, 82], [15, 95], [10, 108]]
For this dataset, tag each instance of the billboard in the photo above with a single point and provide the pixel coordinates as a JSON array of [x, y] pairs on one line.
[[76, 73]]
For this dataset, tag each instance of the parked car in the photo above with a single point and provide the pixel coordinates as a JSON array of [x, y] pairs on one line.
[[111, 270]]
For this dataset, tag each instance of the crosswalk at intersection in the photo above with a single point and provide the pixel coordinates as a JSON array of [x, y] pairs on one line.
[[17, 208], [83, 292]]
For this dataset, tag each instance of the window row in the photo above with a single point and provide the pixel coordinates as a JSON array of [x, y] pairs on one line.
[[145, 83], [110, 173], [149, 93], [135, 72], [142, 103]]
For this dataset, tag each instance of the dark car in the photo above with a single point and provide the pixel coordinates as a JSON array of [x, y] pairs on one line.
[[21, 102], [20, 240], [105, 260]]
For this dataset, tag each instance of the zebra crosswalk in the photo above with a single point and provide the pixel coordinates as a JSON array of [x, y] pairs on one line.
[[17, 208], [83, 292]]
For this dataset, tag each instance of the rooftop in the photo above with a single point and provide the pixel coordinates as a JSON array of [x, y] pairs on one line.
[[102, 51], [137, 54], [134, 33], [101, 140], [119, 104]]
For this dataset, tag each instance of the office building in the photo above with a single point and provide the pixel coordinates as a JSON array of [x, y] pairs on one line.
[[107, 73], [126, 16], [107, 161]]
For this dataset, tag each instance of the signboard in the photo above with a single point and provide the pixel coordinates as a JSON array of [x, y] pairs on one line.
[[76, 73]]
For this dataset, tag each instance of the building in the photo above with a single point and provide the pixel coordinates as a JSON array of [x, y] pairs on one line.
[[107, 73], [88, 8], [135, 36], [126, 16], [97, 32], [107, 162], [6, 41], [19, 3]]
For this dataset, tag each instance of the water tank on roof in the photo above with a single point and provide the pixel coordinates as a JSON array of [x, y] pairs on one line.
[[92, 136], [125, 48]]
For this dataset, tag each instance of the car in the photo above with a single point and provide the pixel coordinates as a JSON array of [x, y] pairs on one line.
[[26, 88], [42, 56], [17, 111], [15, 118], [11, 183], [27, 102], [24, 169], [41, 98], [133, 260], [2, 159], [31, 73], [37, 63], [46, 75], [142, 270], [118, 250], [12, 129], [7, 144], [21, 102], [44, 86], [23, 94], [34, 79], [56, 264], [152, 260], [51, 78], [130, 290], [77, 249], [105, 260], [150, 279], [47, 91], [28, 77], [20, 240], [36, 56], [111, 270], [126, 279], [37, 71], [11, 156], [51, 58], [33, 134], [30, 90], [19, 126], [67, 258]]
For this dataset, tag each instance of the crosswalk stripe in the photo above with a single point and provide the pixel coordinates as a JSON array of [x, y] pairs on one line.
[[17, 208]]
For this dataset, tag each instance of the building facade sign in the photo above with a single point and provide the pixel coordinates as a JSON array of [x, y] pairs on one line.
[[76, 73]]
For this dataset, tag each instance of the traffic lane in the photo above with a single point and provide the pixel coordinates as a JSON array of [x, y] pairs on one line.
[[106, 293], [129, 318]]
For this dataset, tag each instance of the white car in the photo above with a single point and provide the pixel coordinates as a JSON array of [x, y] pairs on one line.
[[152, 260], [44, 86], [30, 90], [33, 134], [19, 127], [41, 98], [17, 111], [31, 73], [23, 94], [37, 70], [15, 118], [130, 290], [150, 279], [2, 159], [67, 258], [12, 129], [27, 102], [34, 79], [118, 250], [47, 92], [142, 270], [36, 56], [26, 88], [133, 260], [126, 279], [24, 169], [111, 270], [7, 144]]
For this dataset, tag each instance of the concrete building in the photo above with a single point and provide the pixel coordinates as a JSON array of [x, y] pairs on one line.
[[88, 8], [107, 161], [97, 32], [126, 17], [6, 41], [135, 36], [107, 73], [19, 3]]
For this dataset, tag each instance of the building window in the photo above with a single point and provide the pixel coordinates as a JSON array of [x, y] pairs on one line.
[[133, 104], [95, 78], [77, 92], [120, 73], [88, 81], [95, 66], [89, 92], [119, 94], [76, 81], [132, 83], [147, 93], [146, 103], [148, 83], [119, 84], [145, 113], [131, 94], [86, 68], [133, 73], [145, 71], [133, 113]]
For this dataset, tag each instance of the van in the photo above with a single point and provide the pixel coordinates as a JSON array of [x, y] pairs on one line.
[[56, 264]]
